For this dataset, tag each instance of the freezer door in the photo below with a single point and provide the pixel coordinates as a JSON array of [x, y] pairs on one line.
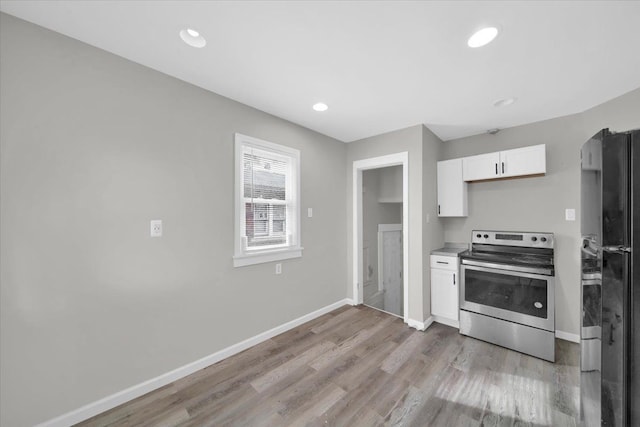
[[617, 280]]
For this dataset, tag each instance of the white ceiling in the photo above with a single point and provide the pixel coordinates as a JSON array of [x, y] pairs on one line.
[[380, 66]]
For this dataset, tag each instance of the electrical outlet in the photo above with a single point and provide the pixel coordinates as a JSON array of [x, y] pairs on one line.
[[156, 228], [278, 268]]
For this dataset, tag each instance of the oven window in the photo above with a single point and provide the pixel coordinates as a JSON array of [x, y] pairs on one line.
[[514, 293]]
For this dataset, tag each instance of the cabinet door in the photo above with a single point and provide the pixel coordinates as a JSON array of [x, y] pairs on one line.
[[444, 293], [452, 190], [483, 166], [523, 161]]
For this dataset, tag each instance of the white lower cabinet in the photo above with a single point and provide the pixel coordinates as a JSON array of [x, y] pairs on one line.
[[445, 281]]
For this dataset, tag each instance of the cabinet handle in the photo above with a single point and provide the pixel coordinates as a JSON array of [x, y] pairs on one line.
[[454, 279], [496, 169], [502, 167], [442, 262], [438, 209]]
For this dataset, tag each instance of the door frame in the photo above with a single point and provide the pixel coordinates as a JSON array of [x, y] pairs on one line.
[[359, 166]]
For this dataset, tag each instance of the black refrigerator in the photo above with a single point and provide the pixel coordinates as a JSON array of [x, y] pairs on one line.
[[610, 285]]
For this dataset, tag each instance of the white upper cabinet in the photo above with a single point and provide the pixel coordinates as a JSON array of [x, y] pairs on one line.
[[504, 164], [523, 161], [452, 190], [483, 166]]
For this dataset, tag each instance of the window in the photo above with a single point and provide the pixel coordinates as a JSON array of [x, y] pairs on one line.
[[267, 202]]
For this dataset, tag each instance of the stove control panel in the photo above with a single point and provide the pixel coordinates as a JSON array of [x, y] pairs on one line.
[[513, 238]]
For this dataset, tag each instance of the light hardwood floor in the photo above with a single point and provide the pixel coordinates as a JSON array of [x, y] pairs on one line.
[[357, 366]]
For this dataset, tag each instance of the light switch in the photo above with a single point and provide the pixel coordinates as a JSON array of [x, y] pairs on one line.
[[156, 228], [309, 212], [278, 268], [570, 214]]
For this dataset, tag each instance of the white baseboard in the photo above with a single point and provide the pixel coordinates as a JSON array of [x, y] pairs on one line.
[[109, 402], [567, 336], [421, 326], [445, 321], [428, 322]]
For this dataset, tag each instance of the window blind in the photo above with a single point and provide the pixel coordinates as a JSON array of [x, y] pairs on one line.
[[268, 199]]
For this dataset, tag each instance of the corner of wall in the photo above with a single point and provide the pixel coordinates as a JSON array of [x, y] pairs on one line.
[[433, 229]]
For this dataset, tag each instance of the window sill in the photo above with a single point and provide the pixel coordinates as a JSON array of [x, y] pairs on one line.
[[262, 257]]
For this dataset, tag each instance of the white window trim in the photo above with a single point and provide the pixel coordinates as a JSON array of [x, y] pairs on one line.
[[242, 258]]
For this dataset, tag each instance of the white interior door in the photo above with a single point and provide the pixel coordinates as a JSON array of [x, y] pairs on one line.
[[390, 267]]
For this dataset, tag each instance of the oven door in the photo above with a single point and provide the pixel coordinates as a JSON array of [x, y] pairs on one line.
[[524, 298]]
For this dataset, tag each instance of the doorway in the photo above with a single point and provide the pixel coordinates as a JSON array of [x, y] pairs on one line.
[[380, 225], [382, 239]]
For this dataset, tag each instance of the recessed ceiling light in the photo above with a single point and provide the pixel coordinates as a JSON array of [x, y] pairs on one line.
[[482, 37], [320, 106], [192, 38], [504, 102]]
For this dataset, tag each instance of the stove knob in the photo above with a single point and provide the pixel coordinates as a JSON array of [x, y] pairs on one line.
[[478, 235], [534, 238], [543, 239], [486, 236]]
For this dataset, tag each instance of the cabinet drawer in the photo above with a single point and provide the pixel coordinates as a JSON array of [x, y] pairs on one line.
[[444, 262]]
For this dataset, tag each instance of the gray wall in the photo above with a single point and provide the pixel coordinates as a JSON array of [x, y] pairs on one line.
[[423, 148], [92, 148], [539, 203], [432, 225]]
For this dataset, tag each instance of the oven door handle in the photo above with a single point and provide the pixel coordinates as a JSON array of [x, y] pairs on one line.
[[510, 268]]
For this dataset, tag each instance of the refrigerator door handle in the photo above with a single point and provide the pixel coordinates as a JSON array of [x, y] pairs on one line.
[[611, 337], [617, 249]]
